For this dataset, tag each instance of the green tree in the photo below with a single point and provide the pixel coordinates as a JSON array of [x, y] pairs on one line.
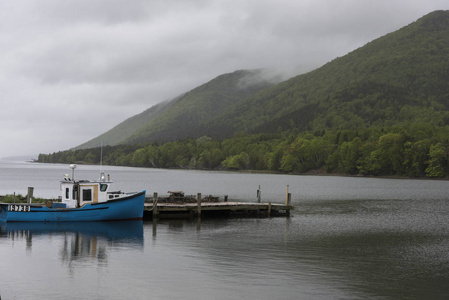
[[274, 159], [236, 162], [437, 162], [90, 158], [387, 158], [346, 158], [210, 159], [416, 156], [140, 158]]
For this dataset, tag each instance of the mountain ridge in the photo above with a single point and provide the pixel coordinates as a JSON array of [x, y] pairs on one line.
[[324, 89], [396, 78], [188, 113], [380, 110]]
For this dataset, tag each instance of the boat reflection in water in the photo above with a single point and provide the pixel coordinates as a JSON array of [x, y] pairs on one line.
[[78, 240]]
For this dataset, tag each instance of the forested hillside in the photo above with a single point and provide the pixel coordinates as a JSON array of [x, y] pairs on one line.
[[189, 114], [125, 129], [397, 79], [382, 109], [419, 151]]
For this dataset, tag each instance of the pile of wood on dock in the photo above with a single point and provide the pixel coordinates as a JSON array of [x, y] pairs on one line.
[[179, 197]]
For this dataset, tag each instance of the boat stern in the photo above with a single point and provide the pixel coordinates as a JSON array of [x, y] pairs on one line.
[[3, 212]]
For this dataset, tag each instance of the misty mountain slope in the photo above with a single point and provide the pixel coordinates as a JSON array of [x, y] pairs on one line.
[[399, 77], [117, 134], [187, 115], [190, 114]]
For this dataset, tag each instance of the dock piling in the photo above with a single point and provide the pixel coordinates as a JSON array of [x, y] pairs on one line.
[[199, 204], [155, 206], [288, 204]]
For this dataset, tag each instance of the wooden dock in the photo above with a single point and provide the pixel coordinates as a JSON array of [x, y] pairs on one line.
[[160, 209]]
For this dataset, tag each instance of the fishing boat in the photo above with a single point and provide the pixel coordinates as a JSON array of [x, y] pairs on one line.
[[81, 200]]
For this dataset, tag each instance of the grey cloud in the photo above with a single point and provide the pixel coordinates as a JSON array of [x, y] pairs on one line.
[[94, 63]]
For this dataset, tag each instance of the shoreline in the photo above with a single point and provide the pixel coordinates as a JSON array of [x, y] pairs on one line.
[[314, 172]]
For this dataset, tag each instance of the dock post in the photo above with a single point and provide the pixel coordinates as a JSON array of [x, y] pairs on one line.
[[226, 198], [154, 205], [199, 204], [269, 209], [30, 195], [286, 198], [289, 202], [259, 194]]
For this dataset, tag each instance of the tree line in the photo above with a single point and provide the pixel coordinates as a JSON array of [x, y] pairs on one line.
[[420, 150]]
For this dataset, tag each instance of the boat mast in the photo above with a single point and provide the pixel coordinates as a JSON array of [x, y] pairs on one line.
[[101, 156], [101, 162]]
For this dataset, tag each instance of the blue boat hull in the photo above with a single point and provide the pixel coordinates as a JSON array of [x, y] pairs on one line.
[[126, 231], [126, 208]]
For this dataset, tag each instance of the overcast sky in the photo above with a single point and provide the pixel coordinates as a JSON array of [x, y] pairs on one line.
[[73, 69]]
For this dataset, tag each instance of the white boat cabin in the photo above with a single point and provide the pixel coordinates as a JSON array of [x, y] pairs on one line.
[[77, 193]]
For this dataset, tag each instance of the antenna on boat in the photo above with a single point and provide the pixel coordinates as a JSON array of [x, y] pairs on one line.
[[73, 167]]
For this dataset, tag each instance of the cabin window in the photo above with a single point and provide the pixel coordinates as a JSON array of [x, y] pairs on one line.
[[67, 193], [103, 187], [87, 195]]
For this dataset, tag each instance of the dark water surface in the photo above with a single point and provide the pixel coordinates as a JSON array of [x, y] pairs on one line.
[[349, 238]]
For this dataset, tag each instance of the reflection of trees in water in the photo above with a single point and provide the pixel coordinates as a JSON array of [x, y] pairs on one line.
[[77, 246], [18, 235], [77, 242]]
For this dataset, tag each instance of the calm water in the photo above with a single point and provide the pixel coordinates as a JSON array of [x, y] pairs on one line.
[[349, 238]]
